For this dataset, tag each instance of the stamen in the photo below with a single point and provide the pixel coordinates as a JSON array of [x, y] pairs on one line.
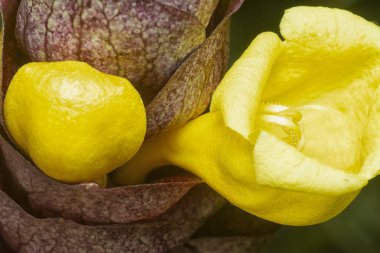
[[281, 121]]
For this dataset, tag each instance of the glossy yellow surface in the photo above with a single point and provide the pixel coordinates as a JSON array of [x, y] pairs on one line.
[[75, 123], [326, 74]]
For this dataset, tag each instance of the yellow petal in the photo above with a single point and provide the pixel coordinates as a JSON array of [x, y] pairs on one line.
[[324, 49], [332, 136], [223, 159], [280, 165], [238, 95], [329, 70], [371, 140]]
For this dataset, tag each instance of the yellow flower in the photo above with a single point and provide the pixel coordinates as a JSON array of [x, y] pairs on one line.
[[293, 131]]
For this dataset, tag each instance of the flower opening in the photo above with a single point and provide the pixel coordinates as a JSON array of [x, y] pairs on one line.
[[281, 121]]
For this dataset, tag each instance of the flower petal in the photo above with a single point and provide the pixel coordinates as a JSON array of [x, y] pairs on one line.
[[238, 95], [224, 160], [280, 165], [330, 62], [324, 49], [371, 140], [333, 136]]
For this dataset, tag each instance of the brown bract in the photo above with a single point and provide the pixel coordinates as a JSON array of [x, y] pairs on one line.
[[221, 245], [87, 202], [38, 214], [25, 233], [174, 52], [188, 92], [10, 55], [143, 41]]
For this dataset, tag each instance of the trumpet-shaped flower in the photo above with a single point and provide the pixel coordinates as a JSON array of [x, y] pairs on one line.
[[293, 131]]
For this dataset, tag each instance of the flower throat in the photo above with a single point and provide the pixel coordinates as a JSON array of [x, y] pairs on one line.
[[281, 121]]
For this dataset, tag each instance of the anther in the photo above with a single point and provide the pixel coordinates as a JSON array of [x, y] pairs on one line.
[[281, 121]]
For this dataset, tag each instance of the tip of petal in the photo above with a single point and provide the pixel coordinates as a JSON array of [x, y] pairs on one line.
[[334, 24], [239, 94]]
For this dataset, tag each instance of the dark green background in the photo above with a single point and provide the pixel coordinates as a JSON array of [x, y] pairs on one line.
[[357, 229]]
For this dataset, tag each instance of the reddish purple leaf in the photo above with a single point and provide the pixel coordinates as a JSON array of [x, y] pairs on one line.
[[144, 41], [10, 57], [2, 178], [189, 90], [229, 230], [4, 247], [8, 9], [221, 245], [25, 233], [87, 202], [232, 221]]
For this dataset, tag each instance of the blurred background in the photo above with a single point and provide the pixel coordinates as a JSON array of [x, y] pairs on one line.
[[357, 229]]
